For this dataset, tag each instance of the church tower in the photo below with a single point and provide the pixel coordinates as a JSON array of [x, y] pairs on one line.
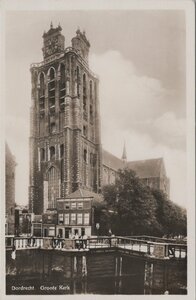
[[65, 142]]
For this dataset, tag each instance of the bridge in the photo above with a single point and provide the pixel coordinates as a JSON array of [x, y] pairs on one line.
[[140, 246]]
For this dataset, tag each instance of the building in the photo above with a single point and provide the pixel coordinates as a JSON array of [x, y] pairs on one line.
[[10, 166], [65, 141], [23, 220], [151, 171], [76, 214], [65, 146], [49, 223]]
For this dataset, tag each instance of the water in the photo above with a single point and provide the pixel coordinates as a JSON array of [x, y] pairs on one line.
[[42, 272]]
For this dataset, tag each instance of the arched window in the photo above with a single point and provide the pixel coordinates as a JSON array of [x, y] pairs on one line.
[[42, 154], [51, 90], [91, 90], [52, 74], [84, 97], [42, 85], [84, 130], [61, 151], [78, 81], [53, 187], [42, 93], [95, 91], [91, 114], [52, 127], [85, 155], [91, 159], [94, 160], [62, 86], [52, 152]]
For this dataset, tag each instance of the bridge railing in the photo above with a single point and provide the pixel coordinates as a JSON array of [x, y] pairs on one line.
[[152, 248], [158, 239], [149, 248]]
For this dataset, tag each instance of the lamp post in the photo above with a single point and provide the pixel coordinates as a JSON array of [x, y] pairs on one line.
[[97, 227]]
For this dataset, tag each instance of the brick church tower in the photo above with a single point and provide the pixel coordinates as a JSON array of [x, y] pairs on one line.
[[65, 144]]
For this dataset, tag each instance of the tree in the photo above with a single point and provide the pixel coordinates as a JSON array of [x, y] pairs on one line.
[[171, 217], [133, 205], [132, 208]]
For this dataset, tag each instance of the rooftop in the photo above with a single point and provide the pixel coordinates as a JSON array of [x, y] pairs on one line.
[[147, 168], [111, 161]]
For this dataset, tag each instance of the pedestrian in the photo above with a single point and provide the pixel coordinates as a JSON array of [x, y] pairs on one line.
[[84, 241], [110, 234]]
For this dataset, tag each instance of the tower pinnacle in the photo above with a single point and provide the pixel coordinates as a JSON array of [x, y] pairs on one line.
[[124, 155]]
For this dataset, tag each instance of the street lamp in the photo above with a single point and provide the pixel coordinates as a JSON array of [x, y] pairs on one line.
[[97, 227]]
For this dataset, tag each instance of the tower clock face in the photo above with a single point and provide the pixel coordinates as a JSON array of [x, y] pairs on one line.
[[51, 46]]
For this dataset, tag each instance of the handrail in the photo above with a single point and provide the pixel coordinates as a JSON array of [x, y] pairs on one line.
[[155, 238]]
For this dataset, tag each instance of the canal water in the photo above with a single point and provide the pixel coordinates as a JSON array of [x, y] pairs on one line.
[[40, 272]]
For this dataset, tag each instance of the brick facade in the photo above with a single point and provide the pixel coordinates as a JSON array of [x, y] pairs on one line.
[[65, 149]]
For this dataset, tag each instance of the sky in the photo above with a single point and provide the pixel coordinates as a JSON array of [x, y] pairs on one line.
[[139, 57]]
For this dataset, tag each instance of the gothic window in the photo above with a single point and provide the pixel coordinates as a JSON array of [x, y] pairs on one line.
[[78, 81], [91, 91], [62, 86], [91, 159], [42, 93], [51, 90], [42, 86], [53, 186], [85, 155], [52, 74], [91, 114], [62, 170], [84, 97], [52, 127], [42, 154], [52, 152], [61, 151], [84, 130], [95, 90], [94, 159]]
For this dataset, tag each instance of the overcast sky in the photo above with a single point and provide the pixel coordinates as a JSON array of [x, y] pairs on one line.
[[139, 57]]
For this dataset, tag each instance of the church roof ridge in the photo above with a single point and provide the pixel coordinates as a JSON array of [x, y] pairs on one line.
[[147, 168]]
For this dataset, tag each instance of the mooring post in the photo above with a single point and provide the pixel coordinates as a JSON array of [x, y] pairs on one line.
[[120, 274], [84, 274], [148, 277]]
